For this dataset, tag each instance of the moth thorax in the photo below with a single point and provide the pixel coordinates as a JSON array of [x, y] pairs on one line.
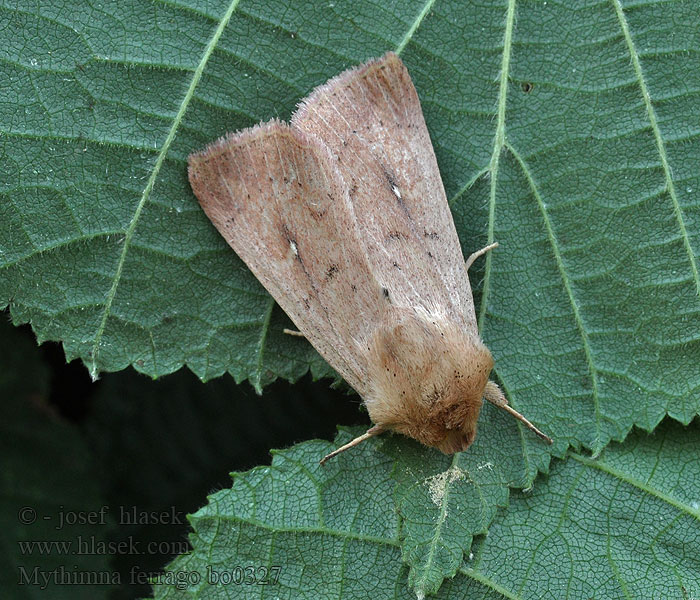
[[427, 379]]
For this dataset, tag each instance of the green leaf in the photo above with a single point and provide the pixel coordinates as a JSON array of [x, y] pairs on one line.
[[46, 481], [625, 525], [446, 500], [327, 528], [162, 445], [566, 132]]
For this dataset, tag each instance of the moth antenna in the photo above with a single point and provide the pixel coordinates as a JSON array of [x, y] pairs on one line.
[[474, 255], [371, 432], [293, 332], [495, 396]]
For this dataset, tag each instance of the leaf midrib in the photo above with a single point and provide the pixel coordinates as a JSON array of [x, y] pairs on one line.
[[434, 542], [414, 26], [498, 143]]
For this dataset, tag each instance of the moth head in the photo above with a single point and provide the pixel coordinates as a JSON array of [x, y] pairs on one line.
[[427, 380]]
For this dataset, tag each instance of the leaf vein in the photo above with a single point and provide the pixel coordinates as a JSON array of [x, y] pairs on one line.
[[276, 529], [414, 26], [661, 147], [606, 468], [498, 142], [487, 582], [608, 551], [569, 292], [261, 346], [151, 182]]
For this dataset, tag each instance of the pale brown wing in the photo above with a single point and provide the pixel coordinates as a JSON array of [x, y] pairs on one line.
[[279, 202], [371, 120]]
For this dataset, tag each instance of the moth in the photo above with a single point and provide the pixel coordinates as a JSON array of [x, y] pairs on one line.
[[342, 216]]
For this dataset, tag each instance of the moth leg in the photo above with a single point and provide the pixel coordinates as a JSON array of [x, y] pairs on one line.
[[472, 257], [495, 396], [371, 432], [293, 332]]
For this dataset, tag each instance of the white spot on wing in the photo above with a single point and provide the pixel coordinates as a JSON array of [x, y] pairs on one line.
[[396, 191], [293, 246]]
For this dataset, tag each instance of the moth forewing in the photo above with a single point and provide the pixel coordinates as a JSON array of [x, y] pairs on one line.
[[343, 217], [371, 120], [276, 198]]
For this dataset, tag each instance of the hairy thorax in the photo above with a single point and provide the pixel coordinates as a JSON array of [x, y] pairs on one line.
[[427, 379]]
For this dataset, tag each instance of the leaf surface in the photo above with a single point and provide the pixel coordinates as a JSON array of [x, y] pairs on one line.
[[625, 525]]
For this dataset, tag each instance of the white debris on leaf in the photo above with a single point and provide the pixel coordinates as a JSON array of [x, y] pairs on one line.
[[437, 484]]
